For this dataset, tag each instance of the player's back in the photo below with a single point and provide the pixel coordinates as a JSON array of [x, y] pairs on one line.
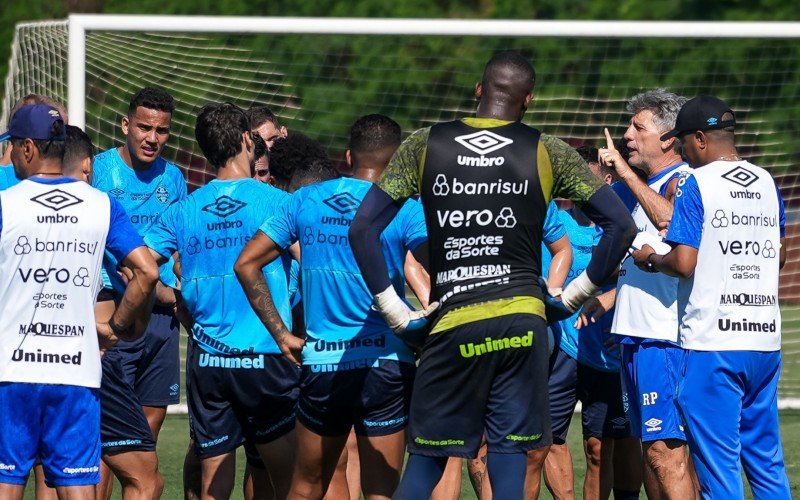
[[210, 228], [336, 301], [53, 236]]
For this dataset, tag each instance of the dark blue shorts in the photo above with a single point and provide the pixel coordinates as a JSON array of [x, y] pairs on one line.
[[491, 376], [123, 425], [233, 398], [373, 400], [59, 424], [153, 363], [599, 392]]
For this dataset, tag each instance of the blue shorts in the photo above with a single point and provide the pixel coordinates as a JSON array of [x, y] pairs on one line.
[[730, 402], [123, 426], [233, 398], [650, 376], [487, 377], [59, 424], [152, 364], [599, 392], [373, 400]]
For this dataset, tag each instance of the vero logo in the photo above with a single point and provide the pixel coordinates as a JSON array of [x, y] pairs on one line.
[[483, 142]]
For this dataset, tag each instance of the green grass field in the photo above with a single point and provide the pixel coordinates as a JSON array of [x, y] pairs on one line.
[[175, 436]]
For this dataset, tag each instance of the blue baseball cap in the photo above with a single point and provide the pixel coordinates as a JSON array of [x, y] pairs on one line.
[[36, 121]]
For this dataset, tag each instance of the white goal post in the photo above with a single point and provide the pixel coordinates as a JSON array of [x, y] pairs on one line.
[[79, 24]]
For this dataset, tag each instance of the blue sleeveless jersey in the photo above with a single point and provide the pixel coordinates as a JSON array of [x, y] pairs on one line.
[[344, 331], [209, 229], [144, 195]]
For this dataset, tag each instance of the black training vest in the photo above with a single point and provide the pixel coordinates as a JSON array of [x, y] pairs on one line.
[[484, 210]]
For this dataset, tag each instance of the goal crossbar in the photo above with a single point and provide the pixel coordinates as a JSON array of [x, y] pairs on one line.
[[79, 24]]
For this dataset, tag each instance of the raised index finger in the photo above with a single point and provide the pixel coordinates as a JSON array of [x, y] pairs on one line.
[[609, 140]]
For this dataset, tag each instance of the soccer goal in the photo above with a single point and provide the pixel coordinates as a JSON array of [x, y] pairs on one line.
[[319, 75]]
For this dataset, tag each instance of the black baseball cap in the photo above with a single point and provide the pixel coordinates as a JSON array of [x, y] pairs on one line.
[[703, 112], [36, 121]]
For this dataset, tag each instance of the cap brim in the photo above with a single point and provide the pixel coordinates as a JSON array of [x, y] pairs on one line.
[[670, 134], [5, 137]]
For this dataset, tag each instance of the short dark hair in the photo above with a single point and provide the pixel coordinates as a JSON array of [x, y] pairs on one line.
[[152, 98], [588, 153], [259, 147], [298, 154], [374, 133], [49, 149], [259, 115], [218, 130], [77, 147], [524, 75]]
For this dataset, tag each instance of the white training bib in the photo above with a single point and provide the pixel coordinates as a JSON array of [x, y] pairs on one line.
[[731, 301], [51, 248], [646, 304]]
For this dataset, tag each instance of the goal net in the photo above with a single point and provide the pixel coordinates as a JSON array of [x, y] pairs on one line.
[[319, 75]]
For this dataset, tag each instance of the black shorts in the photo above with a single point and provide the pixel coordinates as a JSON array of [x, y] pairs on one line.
[[123, 425], [233, 398], [373, 400], [599, 392], [491, 376]]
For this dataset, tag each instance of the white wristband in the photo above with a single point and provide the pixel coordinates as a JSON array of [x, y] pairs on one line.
[[578, 291], [393, 309]]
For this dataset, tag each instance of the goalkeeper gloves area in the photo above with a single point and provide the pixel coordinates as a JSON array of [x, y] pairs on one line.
[[406, 323]]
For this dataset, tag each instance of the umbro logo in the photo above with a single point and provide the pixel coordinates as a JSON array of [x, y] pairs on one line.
[[117, 193], [343, 202], [483, 142], [224, 206], [740, 176], [653, 425], [57, 199], [619, 422]]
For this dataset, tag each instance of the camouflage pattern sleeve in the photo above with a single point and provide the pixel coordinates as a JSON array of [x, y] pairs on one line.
[[403, 175], [571, 176]]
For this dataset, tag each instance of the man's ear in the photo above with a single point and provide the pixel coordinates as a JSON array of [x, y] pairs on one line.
[[124, 123], [348, 157], [702, 140], [478, 91], [29, 150], [528, 99]]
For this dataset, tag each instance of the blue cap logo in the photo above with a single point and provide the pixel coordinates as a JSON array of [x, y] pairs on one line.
[[711, 121]]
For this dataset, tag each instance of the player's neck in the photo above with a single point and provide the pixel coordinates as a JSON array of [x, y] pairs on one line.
[[368, 173], [132, 161], [46, 169], [237, 167], [664, 163], [498, 111]]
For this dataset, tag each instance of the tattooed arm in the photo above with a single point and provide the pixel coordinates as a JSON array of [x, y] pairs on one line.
[[260, 251]]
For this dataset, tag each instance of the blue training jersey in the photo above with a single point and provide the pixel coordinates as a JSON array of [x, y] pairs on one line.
[[7, 177], [209, 229], [586, 345], [145, 195], [343, 329]]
